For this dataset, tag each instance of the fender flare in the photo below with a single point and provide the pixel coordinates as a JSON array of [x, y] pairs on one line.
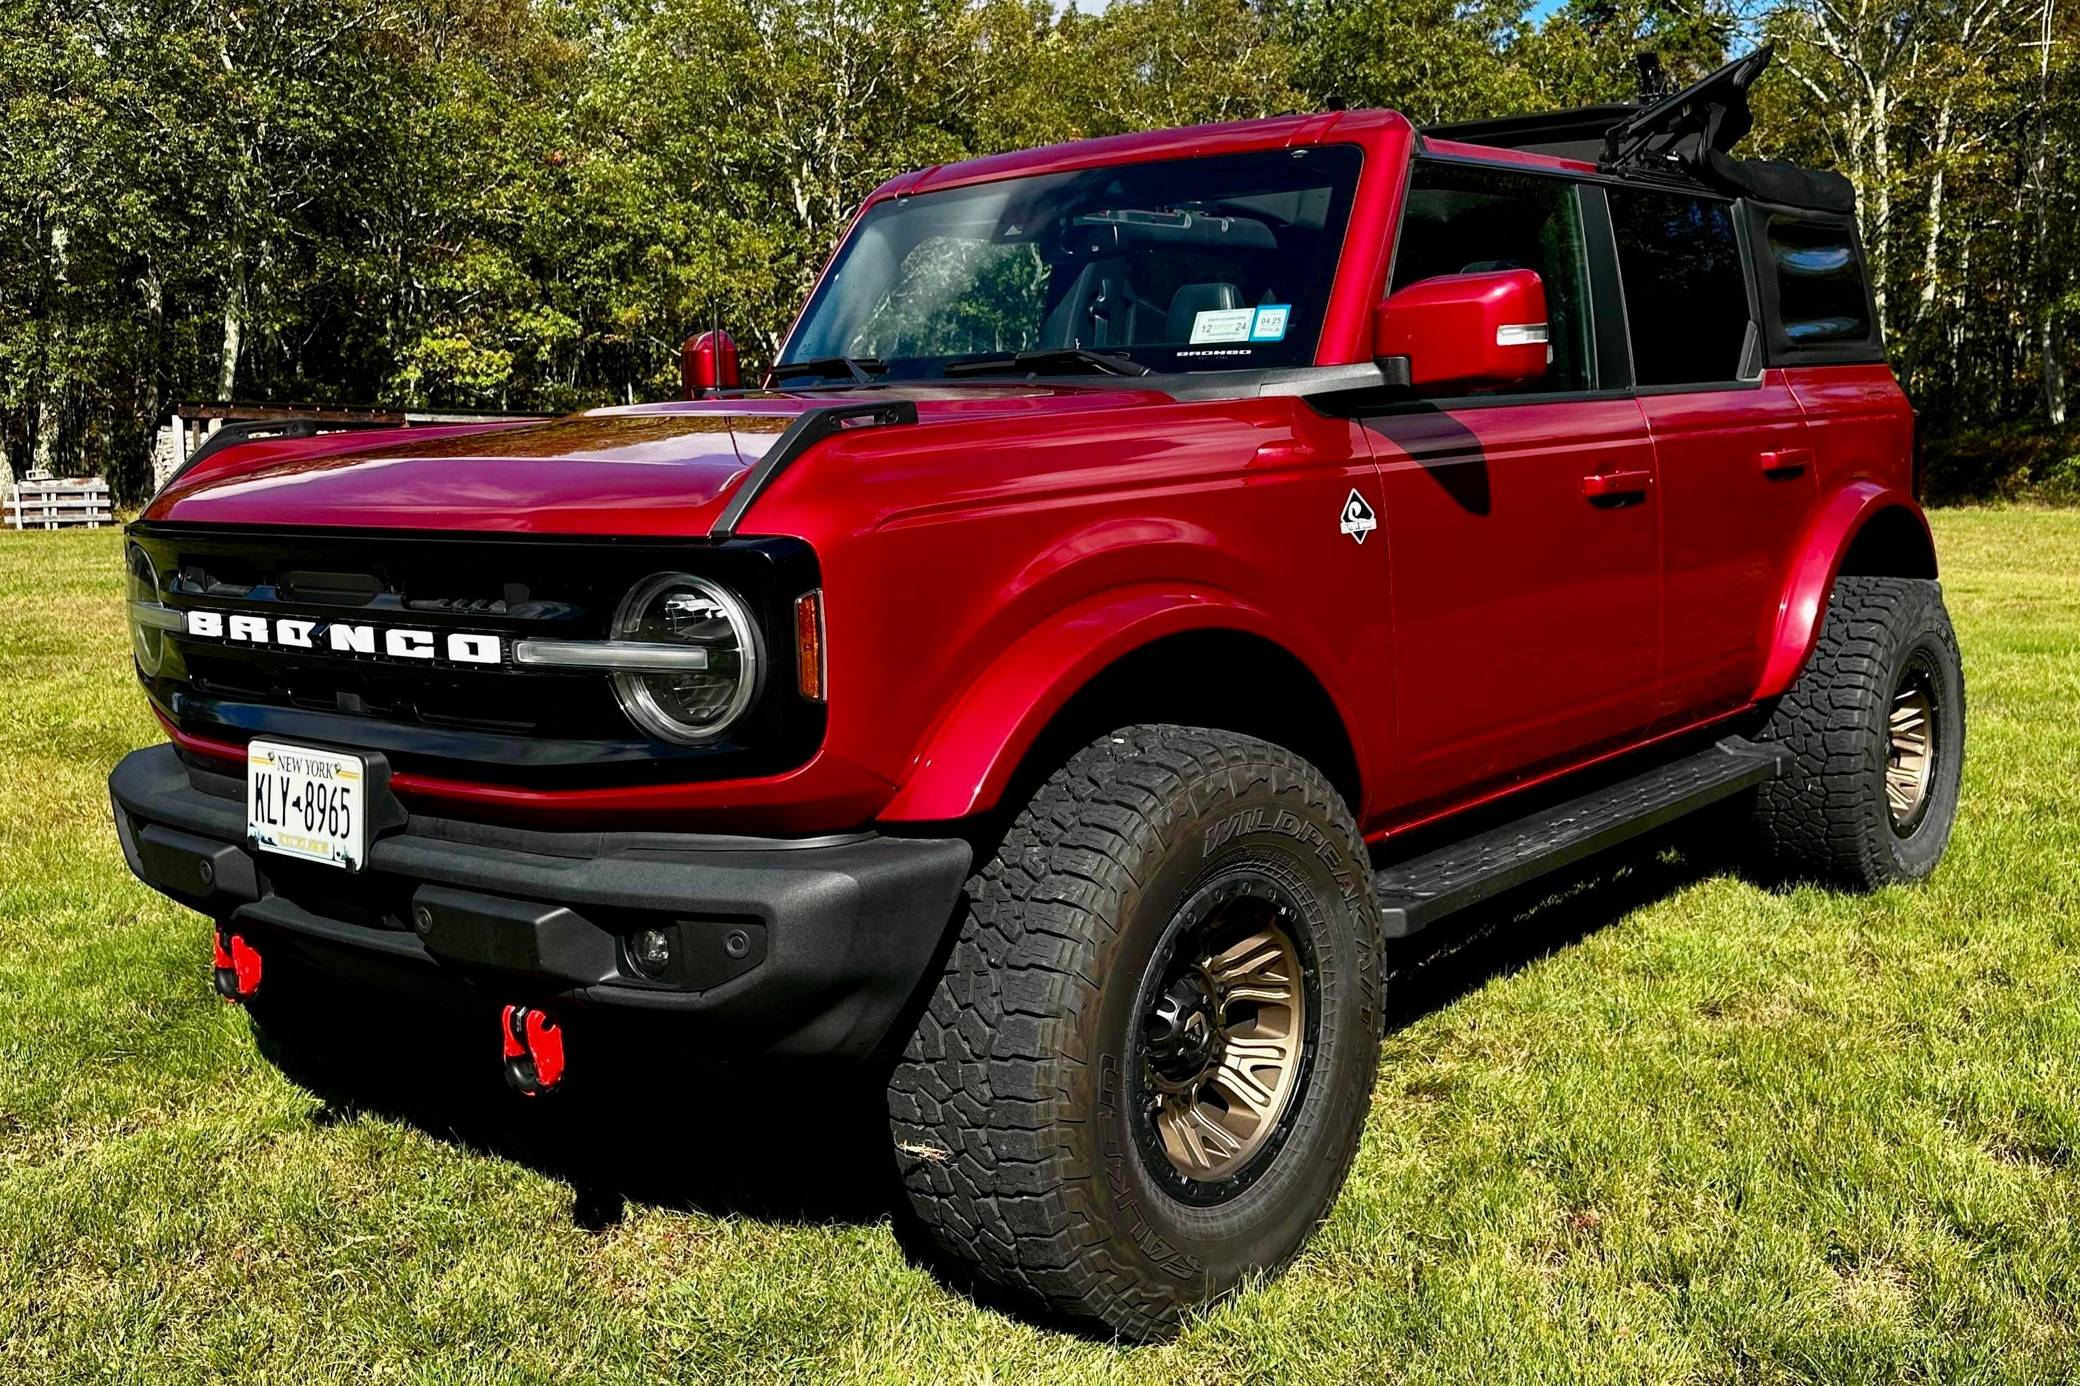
[[1840, 519], [970, 754]]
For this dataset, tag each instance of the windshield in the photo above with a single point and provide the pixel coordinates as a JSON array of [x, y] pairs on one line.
[[1178, 265]]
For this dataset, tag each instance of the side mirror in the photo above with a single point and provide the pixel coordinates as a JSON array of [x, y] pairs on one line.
[[1466, 329], [709, 362]]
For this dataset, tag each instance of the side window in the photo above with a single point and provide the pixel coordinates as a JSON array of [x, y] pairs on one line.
[[1686, 298], [1463, 220], [1821, 296]]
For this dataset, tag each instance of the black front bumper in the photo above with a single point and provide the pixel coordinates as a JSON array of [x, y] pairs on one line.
[[779, 946]]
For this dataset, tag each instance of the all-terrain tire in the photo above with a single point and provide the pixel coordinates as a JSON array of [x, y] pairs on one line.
[[1828, 815], [1012, 1108]]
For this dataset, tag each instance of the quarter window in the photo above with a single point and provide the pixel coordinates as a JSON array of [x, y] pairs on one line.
[[1467, 220], [1821, 295], [1686, 297]]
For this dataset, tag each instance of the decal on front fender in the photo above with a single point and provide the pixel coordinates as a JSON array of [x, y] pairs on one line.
[[1358, 518]]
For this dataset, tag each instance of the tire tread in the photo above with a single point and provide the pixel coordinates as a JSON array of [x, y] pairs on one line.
[[978, 1104]]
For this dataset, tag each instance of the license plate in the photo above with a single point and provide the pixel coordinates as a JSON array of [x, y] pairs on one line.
[[306, 803]]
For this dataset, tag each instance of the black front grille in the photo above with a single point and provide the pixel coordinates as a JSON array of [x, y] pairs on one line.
[[483, 722]]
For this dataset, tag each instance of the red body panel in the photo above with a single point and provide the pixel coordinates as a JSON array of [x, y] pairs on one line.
[[1730, 528], [1527, 613], [1550, 582], [1862, 435]]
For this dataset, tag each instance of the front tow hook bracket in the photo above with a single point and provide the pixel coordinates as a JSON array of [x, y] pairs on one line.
[[237, 966], [533, 1050]]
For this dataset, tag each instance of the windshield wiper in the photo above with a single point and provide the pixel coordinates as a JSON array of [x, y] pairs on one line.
[[1048, 361], [862, 369]]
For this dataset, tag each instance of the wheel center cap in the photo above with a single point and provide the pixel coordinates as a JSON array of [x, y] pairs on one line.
[[1181, 1034]]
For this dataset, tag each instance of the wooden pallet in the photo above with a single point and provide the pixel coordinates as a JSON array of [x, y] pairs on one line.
[[59, 504]]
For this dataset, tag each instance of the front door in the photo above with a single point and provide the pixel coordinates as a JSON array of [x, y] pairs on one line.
[[1523, 533]]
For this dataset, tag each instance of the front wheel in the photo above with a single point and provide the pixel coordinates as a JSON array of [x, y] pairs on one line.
[[1875, 727], [1145, 1069]]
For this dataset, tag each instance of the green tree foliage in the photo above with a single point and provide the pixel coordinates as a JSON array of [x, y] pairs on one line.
[[527, 204]]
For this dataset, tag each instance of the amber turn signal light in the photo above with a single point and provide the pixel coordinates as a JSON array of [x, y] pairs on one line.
[[808, 644]]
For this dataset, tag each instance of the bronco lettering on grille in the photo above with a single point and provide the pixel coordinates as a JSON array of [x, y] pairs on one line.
[[348, 637]]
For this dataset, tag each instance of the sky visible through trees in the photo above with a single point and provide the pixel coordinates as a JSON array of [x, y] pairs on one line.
[[527, 204]]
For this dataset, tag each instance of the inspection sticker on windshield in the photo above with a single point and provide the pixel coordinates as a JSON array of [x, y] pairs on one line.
[[1270, 322], [1222, 325]]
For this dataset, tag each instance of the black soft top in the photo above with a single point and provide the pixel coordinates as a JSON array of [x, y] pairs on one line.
[[1690, 134]]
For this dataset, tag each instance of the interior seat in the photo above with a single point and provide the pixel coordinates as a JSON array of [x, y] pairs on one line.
[[1190, 300]]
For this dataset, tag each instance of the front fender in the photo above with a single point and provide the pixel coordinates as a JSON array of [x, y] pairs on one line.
[[1827, 540], [972, 751]]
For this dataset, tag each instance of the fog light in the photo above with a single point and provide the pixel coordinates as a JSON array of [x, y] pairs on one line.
[[650, 951]]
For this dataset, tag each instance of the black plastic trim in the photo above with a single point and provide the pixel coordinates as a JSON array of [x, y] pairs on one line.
[[790, 948], [231, 435], [544, 727], [1418, 891], [1613, 366], [806, 431]]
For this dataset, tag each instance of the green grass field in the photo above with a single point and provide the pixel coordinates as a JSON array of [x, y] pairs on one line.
[[1671, 1127]]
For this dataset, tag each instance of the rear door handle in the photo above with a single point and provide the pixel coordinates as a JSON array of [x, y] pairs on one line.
[[1786, 461], [1616, 485]]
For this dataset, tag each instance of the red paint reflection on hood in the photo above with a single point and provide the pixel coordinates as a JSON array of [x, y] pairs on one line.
[[645, 470]]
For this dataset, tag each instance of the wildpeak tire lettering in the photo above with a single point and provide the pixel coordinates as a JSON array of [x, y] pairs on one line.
[[348, 638]]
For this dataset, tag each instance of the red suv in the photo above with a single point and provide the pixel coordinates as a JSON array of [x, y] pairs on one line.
[[1158, 570]]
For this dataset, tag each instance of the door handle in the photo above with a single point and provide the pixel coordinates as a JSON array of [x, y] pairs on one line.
[[1786, 461], [1616, 485]]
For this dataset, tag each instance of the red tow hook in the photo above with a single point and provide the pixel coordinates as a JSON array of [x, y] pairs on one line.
[[534, 1050], [238, 966]]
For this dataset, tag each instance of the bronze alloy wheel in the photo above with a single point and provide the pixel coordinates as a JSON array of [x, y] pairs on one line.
[[1910, 756], [1142, 1078], [1226, 1026]]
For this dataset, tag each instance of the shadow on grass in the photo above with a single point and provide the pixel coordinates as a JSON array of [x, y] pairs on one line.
[[1502, 936], [792, 1145], [806, 1145]]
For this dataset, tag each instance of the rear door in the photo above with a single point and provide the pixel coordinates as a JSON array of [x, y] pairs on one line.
[[1735, 465], [1526, 609]]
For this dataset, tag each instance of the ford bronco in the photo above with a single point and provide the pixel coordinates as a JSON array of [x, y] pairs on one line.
[[1157, 571]]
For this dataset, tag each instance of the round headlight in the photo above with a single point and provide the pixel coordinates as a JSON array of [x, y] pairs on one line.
[[696, 704], [141, 585]]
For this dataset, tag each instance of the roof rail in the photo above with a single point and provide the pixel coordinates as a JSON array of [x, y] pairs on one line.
[[1575, 134]]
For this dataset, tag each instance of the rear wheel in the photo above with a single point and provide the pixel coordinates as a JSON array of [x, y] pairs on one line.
[[1145, 1068], [1876, 726]]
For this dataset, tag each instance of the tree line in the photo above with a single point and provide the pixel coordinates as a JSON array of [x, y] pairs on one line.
[[527, 204]]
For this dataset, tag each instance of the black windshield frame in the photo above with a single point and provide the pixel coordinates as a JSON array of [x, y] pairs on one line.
[[1228, 235]]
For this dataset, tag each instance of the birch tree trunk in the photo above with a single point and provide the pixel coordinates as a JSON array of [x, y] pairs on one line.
[[1932, 238], [50, 405], [2050, 346], [1881, 201], [234, 324]]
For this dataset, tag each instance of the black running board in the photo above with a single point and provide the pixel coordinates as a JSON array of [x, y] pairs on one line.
[[1424, 889]]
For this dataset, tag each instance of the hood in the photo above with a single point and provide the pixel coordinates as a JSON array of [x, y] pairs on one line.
[[644, 471]]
